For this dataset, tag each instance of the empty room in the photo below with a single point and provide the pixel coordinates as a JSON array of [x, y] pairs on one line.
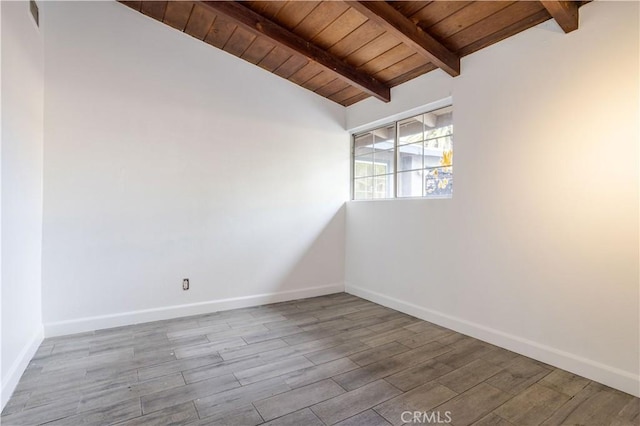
[[328, 212]]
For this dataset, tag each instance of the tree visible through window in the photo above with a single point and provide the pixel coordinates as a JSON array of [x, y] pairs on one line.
[[407, 158]]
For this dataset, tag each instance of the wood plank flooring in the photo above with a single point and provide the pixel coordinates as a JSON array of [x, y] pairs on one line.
[[327, 360]]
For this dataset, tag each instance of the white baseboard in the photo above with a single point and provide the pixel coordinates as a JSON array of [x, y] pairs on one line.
[[81, 325], [605, 374], [10, 381]]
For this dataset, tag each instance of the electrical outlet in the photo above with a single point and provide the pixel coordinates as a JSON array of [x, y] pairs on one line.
[[185, 284]]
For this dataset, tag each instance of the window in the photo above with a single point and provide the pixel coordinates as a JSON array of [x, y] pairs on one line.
[[408, 158]]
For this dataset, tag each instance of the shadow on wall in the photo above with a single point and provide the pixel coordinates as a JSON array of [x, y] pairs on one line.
[[306, 263], [323, 261]]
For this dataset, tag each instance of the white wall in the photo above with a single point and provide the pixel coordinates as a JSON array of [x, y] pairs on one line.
[[538, 249], [22, 108], [167, 158]]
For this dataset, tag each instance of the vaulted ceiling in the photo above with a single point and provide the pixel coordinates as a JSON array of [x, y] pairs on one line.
[[348, 51]]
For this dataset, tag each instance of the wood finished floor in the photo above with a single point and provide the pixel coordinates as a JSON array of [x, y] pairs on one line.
[[334, 359]]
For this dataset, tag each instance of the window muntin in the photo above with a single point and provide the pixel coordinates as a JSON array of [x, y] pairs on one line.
[[408, 158]]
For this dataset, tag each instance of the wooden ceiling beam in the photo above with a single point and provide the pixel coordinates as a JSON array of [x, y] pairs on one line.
[[409, 33], [282, 37], [565, 13]]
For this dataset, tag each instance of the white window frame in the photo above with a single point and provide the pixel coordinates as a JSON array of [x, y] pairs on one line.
[[372, 176], [395, 121]]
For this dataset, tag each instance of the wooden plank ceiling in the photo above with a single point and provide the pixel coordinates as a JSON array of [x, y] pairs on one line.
[[348, 51]]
